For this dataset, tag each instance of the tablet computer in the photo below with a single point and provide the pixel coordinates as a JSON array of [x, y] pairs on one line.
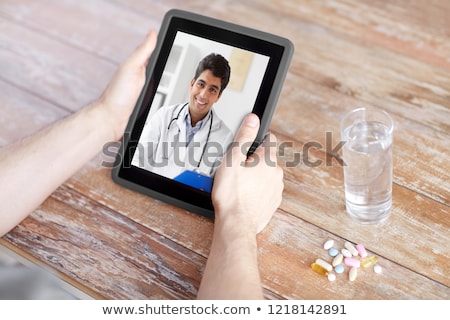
[[203, 77]]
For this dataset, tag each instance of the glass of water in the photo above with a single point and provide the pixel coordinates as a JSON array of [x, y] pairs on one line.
[[367, 155]]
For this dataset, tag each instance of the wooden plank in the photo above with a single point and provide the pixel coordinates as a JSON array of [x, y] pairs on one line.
[[64, 76], [181, 226], [317, 196], [370, 72], [373, 77], [22, 113], [431, 109], [312, 194], [106, 251], [310, 41], [416, 29], [100, 28], [97, 238], [420, 151], [75, 287], [288, 247]]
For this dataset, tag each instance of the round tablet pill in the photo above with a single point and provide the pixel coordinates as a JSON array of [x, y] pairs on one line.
[[331, 277], [339, 268], [333, 252], [377, 269], [328, 244]]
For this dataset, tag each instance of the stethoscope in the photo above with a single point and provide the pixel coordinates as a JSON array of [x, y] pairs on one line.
[[207, 137]]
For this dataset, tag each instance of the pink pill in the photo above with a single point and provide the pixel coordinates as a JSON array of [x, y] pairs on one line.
[[352, 262], [361, 250]]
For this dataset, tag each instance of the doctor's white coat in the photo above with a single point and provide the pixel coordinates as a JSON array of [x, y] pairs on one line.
[[162, 147]]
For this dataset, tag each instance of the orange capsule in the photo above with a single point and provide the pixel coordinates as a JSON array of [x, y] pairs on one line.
[[319, 269]]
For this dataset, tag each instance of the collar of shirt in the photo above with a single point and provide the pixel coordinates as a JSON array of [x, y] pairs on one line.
[[191, 131]]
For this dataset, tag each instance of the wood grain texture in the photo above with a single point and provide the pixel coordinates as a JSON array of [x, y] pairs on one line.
[[57, 56], [102, 250], [68, 78], [22, 113]]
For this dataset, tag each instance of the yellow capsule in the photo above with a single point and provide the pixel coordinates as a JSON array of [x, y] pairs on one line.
[[319, 269], [367, 262]]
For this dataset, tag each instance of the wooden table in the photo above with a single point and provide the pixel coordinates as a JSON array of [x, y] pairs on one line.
[[113, 243]]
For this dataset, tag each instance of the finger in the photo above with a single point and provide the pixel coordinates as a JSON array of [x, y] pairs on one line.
[[271, 143], [246, 135], [267, 149]]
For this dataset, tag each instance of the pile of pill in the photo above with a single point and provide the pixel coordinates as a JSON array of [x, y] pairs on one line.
[[351, 256]]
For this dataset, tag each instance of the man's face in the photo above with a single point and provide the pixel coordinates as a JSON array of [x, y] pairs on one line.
[[204, 93]]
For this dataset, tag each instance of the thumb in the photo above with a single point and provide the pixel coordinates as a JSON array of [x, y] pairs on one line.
[[246, 135], [144, 50]]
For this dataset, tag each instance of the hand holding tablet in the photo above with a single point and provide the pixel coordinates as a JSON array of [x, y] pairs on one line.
[[204, 76]]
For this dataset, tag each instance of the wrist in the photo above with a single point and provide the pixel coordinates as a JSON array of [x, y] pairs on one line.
[[103, 121], [236, 224]]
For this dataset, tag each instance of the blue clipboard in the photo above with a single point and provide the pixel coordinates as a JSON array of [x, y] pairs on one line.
[[196, 180]]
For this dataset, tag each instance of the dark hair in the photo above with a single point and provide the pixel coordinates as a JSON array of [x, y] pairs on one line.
[[219, 67]]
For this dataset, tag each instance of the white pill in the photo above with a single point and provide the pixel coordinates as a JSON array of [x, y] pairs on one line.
[[338, 259], [352, 274], [346, 253], [350, 247], [324, 264], [377, 269], [331, 277], [328, 244]]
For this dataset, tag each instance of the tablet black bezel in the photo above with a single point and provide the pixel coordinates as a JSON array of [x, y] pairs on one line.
[[277, 48]]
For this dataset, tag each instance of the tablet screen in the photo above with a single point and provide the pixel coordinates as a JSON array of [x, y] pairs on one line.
[[204, 76], [205, 90]]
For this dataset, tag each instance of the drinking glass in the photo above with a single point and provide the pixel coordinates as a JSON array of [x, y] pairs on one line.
[[367, 155]]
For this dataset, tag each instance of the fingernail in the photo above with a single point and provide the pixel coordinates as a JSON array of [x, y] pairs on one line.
[[251, 121]]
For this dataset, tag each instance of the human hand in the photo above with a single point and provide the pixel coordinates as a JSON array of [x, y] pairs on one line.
[[122, 92], [247, 192]]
